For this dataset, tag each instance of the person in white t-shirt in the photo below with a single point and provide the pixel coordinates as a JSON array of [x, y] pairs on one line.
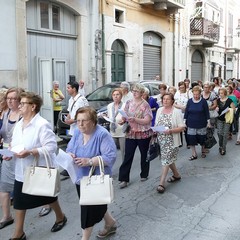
[[75, 102]]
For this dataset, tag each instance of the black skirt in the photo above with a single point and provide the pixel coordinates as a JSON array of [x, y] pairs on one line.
[[91, 214], [24, 201]]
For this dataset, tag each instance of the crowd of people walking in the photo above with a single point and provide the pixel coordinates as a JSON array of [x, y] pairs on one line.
[[178, 117]]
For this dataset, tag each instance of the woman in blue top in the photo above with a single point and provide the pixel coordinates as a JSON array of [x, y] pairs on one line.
[[152, 102], [197, 118], [89, 141]]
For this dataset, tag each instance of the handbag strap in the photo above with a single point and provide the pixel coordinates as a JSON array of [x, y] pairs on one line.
[[47, 158], [101, 167]]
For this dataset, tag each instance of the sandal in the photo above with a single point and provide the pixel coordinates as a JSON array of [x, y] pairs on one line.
[[173, 179], [161, 189], [107, 231], [237, 143], [203, 154], [192, 158]]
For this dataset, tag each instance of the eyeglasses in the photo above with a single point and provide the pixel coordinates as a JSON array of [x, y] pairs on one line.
[[83, 121], [135, 91], [23, 103], [11, 99]]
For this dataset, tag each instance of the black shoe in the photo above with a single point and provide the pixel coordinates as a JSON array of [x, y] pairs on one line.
[[58, 226], [64, 173], [23, 237], [6, 223]]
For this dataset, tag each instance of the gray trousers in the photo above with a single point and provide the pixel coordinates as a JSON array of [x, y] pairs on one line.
[[223, 131]]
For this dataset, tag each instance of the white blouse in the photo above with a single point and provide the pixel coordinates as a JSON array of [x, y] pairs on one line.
[[38, 134]]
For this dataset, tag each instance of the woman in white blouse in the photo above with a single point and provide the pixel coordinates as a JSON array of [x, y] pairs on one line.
[[35, 134], [116, 119]]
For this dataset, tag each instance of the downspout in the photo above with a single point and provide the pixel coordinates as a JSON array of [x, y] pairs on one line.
[[225, 42], [103, 51], [174, 50]]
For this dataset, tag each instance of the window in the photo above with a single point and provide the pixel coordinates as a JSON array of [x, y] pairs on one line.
[[50, 16], [221, 15], [44, 14], [119, 16], [56, 18]]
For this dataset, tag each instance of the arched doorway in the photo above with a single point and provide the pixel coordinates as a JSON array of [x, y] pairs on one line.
[[197, 66], [118, 62], [152, 44]]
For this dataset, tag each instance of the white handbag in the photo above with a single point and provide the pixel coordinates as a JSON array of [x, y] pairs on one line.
[[41, 180], [96, 189]]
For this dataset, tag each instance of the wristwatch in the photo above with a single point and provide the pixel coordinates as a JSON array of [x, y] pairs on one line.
[[90, 161]]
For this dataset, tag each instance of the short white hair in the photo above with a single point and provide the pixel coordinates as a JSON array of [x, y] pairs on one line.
[[55, 82], [146, 90], [125, 85]]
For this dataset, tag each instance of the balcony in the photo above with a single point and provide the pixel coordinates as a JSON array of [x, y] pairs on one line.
[[204, 32], [164, 4], [233, 44]]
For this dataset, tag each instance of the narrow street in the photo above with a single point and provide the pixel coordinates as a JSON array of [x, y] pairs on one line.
[[204, 205]]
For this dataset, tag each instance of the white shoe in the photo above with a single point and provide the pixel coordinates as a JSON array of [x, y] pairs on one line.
[[123, 184]]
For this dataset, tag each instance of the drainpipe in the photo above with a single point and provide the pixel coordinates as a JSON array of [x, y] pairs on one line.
[[174, 49], [225, 42], [103, 51]]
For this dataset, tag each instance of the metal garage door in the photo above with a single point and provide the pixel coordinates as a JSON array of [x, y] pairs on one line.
[[197, 66], [152, 43], [151, 61]]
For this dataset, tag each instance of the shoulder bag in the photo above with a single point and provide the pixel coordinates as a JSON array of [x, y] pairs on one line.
[[41, 180], [153, 150], [96, 189]]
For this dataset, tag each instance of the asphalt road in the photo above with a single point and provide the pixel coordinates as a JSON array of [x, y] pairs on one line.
[[204, 205]]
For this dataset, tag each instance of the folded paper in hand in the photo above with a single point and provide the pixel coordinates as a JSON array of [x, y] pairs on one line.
[[159, 128], [10, 153]]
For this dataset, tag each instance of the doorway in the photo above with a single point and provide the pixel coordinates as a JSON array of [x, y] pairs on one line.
[[118, 62]]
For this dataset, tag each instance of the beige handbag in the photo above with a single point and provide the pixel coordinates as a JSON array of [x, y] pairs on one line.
[[96, 189], [41, 180]]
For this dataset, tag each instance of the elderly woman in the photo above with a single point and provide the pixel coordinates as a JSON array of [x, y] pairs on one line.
[[10, 118], [139, 117], [162, 89], [152, 102], [35, 134], [223, 104], [88, 142], [197, 119], [181, 98], [57, 97], [116, 118], [211, 98], [169, 140]]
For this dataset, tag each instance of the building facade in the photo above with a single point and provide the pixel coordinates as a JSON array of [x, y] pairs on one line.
[[110, 40], [213, 39]]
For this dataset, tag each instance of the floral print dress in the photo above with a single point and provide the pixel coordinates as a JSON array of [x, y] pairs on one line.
[[168, 151]]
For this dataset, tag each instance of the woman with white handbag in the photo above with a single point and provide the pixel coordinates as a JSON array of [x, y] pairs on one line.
[[32, 138], [89, 143]]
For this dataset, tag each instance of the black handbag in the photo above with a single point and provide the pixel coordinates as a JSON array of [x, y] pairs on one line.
[[126, 127], [153, 150], [210, 139]]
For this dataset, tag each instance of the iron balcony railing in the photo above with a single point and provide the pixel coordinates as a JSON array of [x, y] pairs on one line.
[[204, 28]]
